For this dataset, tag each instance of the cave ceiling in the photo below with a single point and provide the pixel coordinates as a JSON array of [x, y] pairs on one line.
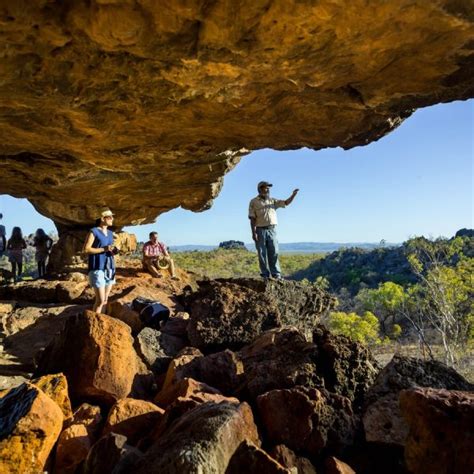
[[144, 105]]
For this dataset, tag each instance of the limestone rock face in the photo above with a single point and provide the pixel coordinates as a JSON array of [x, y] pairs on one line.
[[114, 99], [30, 425], [441, 434]]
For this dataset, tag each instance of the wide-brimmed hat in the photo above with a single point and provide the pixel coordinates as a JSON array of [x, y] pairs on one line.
[[264, 183], [106, 213]]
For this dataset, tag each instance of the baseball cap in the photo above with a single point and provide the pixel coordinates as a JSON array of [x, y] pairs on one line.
[[264, 183]]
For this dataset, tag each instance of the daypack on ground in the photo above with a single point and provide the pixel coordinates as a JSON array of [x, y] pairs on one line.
[[151, 312]]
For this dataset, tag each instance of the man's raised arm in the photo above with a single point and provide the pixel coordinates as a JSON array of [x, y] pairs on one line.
[[290, 199]]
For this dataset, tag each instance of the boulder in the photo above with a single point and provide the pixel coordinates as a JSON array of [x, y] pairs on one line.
[[75, 441], [179, 365], [278, 359], [252, 460], [30, 423], [125, 313], [287, 458], [441, 430], [111, 454], [202, 440], [232, 313], [72, 448], [335, 466], [307, 419], [55, 386], [177, 325], [157, 349], [133, 419], [96, 354], [382, 419], [348, 367], [185, 388]]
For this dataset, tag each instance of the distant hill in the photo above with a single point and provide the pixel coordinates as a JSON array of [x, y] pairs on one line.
[[292, 247]]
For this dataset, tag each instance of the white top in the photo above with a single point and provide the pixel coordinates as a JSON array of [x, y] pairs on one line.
[[264, 210]]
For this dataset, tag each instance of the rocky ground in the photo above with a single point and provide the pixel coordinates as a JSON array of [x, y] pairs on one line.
[[241, 378]]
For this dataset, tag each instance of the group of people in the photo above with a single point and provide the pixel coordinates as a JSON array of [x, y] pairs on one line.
[[99, 246], [16, 244]]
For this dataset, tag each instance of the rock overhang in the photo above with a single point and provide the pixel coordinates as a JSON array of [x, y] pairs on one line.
[[144, 106]]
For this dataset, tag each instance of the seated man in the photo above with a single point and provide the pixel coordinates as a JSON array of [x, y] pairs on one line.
[[155, 255]]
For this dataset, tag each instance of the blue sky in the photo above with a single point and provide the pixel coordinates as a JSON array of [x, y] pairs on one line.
[[418, 180]]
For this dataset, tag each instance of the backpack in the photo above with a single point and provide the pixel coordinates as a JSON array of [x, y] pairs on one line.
[[152, 313]]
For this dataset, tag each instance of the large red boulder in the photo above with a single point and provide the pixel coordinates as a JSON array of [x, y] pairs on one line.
[[307, 419], [95, 352], [441, 430]]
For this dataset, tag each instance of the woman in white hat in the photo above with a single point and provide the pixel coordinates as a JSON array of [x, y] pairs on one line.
[[99, 247]]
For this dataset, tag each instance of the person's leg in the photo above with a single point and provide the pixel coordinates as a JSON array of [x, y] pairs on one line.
[[39, 269], [172, 267], [13, 269], [43, 267], [272, 246], [99, 299], [151, 268], [108, 288], [262, 252], [20, 268]]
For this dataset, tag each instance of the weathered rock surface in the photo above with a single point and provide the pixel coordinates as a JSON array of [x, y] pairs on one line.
[[133, 419], [307, 419], [252, 460], [55, 386], [27, 330], [76, 440], [30, 423], [202, 440], [287, 458], [110, 454], [383, 422], [233, 313], [336, 466], [348, 367], [101, 96], [185, 388], [441, 430], [157, 348], [96, 354]]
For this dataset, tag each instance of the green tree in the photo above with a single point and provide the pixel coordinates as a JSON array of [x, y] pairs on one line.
[[364, 329], [443, 299], [384, 302]]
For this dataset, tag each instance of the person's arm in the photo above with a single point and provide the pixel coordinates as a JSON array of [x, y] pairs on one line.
[[4, 242], [253, 227], [88, 246], [290, 199], [146, 248], [49, 243]]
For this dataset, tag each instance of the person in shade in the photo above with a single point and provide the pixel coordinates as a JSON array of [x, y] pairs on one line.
[[15, 246], [99, 246], [3, 238], [156, 253], [263, 222], [43, 243]]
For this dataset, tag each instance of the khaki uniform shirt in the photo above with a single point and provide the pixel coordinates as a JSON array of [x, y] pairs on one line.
[[264, 210]]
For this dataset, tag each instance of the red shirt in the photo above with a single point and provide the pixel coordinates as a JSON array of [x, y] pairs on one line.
[[151, 249]]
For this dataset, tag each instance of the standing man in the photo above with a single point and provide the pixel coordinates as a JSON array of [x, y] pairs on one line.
[[263, 221], [3, 238]]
